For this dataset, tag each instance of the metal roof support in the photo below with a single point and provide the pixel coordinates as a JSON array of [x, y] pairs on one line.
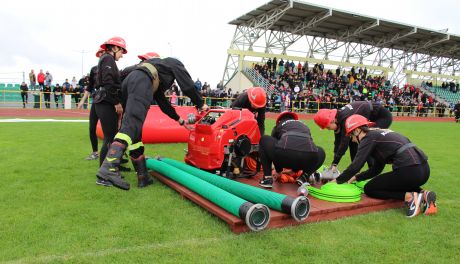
[[231, 68], [305, 26], [355, 32], [392, 38], [282, 28], [447, 52], [423, 45], [268, 19]]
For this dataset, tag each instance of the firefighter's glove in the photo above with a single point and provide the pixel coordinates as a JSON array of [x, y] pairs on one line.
[[185, 124]]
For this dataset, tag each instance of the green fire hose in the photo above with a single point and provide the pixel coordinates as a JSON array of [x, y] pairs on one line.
[[256, 216], [298, 207]]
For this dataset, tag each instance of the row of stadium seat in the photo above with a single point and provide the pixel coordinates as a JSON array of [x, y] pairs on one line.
[[445, 93]]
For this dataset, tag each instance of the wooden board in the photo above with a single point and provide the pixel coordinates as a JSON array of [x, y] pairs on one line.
[[320, 210]]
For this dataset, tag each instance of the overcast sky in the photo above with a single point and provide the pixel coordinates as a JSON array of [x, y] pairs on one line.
[[50, 35]]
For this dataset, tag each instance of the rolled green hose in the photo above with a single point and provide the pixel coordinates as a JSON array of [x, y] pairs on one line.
[[256, 216], [298, 207]]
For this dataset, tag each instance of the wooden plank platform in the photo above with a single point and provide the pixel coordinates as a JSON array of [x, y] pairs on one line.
[[319, 211]]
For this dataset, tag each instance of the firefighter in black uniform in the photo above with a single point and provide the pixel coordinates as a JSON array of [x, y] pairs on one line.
[[410, 166], [57, 91], [290, 146], [47, 95], [90, 91], [24, 89], [254, 99], [457, 112], [147, 80], [108, 97], [333, 119]]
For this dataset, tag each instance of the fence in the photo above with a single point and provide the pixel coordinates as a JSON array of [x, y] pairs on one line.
[[42, 100]]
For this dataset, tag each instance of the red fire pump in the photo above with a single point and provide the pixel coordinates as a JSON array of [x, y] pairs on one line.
[[221, 141]]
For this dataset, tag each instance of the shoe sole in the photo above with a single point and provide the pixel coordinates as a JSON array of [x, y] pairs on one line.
[[266, 186], [144, 184], [119, 184], [104, 184], [115, 182], [430, 200], [417, 206]]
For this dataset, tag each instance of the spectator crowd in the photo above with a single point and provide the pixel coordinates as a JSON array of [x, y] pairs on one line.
[[297, 87], [302, 88]]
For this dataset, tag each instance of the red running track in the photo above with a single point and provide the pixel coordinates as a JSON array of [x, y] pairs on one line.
[[76, 113]]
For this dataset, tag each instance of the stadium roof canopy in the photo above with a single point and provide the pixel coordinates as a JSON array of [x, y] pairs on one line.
[[307, 19]]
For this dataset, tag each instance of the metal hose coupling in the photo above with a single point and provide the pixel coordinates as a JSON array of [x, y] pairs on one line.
[[298, 207], [256, 216]]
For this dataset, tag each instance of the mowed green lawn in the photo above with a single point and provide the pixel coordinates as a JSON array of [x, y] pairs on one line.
[[52, 211]]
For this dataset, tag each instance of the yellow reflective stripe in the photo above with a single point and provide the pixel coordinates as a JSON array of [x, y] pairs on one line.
[[135, 146], [124, 137]]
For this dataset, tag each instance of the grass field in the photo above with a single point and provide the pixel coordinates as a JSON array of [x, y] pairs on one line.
[[52, 211]]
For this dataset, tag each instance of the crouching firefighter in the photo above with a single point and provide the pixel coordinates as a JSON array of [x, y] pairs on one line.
[[147, 80], [254, 99], [290, 146]]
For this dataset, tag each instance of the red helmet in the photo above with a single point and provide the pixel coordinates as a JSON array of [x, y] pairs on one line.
[[257, 97], [115, 41], [99, 52], [148, 55], [324, 117], [355, 121], [287, 113]]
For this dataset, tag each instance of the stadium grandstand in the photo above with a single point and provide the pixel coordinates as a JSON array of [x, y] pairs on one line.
[[401, 55]]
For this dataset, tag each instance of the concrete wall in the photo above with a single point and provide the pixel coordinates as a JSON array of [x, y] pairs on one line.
[[239, 83]]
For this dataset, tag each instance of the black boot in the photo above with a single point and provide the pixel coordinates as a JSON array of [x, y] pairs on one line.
[[124, 159], [143, 176], [124, 169], [109, 169]]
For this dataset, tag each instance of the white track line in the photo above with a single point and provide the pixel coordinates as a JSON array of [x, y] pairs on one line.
[[22, 120], [111, 251]]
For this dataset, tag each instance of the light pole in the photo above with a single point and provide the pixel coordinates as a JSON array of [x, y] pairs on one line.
[[82, 57]]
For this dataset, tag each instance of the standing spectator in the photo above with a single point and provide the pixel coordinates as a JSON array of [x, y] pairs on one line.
[[41, 80], [198, 85], [281, 66], [74, 82], [78, 90], [48, 79], [274, 64], [269, 63], [173, 98], [83, 82], [24, 89], [205, 86], [32, 79], [65, 86], [57, 90]]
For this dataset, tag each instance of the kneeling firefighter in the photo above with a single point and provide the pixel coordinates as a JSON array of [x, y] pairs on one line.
[[147, 80], [410, 168], [290, 146], [333, 119]]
